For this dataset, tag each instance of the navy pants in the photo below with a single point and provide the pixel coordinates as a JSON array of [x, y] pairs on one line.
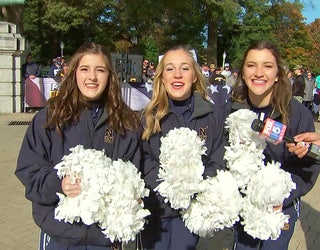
[[168, 234], [48, 243], [244, 241]]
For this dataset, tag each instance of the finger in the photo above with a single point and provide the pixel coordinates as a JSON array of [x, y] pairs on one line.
[[276, 208], [293, 149], [302, 153], [73, 194]]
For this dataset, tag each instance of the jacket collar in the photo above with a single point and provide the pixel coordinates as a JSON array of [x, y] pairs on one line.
[[275, 114]]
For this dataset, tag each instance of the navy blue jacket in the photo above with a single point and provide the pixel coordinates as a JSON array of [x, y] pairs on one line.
[[208, 121], [43, 148], [304, 171]]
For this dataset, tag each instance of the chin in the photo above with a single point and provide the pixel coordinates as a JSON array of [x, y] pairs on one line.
[[92, 98]]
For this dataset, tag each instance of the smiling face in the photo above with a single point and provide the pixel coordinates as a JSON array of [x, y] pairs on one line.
[[260, 74], [92, 76], [178, 74]]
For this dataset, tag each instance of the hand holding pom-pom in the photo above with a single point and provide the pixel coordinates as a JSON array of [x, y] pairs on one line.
[[111, 193], [263, 187]]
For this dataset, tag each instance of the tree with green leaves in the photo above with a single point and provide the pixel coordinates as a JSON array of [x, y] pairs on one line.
[[48, 22], [221, 18], [291, 32], [314, 38], [149, 27]]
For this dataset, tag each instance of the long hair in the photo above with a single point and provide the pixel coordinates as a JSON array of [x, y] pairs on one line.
[[67, 106], [281, 93], [158, 107]]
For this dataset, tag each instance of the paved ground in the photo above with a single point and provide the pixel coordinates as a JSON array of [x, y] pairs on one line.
[[18, 232]]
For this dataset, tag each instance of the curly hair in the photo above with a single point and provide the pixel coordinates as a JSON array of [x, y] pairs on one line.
[[281, 93], [66, 108], [159, 104]]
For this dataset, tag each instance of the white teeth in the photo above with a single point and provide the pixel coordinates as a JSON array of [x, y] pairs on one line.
[[91, 84], [177, 84], [259, 81]]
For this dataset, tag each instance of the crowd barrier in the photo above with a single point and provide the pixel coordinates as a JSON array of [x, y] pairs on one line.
[[136, 94], [37, 91], [40, 89]]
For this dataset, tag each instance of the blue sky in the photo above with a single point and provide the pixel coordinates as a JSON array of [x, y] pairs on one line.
[[311, 12]]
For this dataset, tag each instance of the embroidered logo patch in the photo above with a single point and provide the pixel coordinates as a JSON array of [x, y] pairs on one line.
[[203, 133], [286, 226], [108, 135]]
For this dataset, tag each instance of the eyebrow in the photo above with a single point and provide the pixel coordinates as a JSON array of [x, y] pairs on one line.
[[180, 64], [263, 62], [87, 66]]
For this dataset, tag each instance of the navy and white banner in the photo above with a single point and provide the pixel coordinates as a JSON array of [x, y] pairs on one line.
[[137, 95]]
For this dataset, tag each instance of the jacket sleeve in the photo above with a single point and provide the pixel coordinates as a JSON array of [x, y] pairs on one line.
[[304, 171], [218, 143], [34, 167], [150, 165], [67, 233]]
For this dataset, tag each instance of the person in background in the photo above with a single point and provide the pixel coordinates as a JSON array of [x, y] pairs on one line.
[[298, 84], [89, 111], [30, 69], [145, 67], [226, 72], [179, 100], [212, 69], [151, 71], [263, 87], [145, 64], [217, 78], [205, 70], [308, 89], [55, 67], [230, 81], [61, 74], [290, 76], [316, 99]]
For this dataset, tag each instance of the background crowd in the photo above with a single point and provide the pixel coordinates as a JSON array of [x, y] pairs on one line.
[[305, 84]]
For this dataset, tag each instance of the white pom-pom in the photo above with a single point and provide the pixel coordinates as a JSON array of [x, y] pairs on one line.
[[269, 186], [262, 224], [181, 166], [111, 193], [239, 125], [243, 163], [216, 207], [124, 217], [263, 186]]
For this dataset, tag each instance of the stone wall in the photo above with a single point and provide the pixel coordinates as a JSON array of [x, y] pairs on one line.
[[12, 49]]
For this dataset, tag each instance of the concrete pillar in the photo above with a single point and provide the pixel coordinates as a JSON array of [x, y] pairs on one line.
[[12, 48]]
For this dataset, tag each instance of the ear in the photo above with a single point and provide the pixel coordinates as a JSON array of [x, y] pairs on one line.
[[195, 79]]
